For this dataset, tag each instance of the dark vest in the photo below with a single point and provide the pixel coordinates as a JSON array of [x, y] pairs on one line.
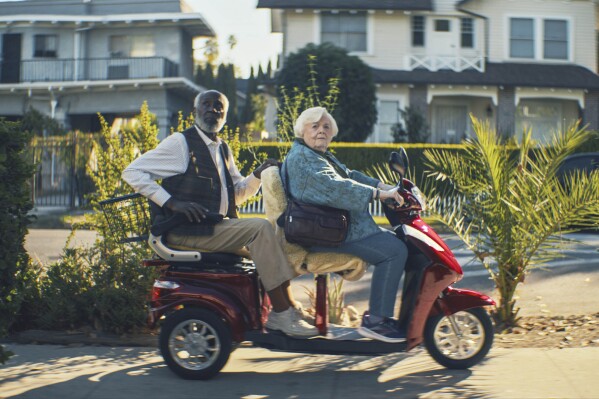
[[201, 183]]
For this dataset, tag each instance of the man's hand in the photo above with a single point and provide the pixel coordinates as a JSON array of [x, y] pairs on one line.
[[194, 211], [267, 164]]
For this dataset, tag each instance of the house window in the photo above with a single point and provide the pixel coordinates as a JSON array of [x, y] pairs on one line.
[[522, 38], [418, 23], [442, 25], [345, 30], [45, 46], [132, 46], [467, 39], [555, 39], [388, 116]]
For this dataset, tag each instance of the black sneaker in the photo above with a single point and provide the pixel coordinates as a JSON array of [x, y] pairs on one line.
[[386, 330]]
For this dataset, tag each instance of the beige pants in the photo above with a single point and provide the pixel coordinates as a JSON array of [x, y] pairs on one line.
[[259, 237]]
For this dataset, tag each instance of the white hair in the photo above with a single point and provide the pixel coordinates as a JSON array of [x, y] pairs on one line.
[[312, 115]]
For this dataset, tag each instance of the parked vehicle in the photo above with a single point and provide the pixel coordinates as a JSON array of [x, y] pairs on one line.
[[208, 303]]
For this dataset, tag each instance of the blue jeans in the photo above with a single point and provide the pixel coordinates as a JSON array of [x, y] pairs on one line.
[[388, 254]]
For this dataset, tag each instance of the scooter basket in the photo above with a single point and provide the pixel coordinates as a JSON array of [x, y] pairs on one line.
[[128, 218]]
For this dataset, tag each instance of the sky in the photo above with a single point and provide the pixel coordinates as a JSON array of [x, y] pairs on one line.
[[255, 44]]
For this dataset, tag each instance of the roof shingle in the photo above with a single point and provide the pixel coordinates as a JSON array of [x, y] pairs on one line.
[[415, 5], [499, 74]]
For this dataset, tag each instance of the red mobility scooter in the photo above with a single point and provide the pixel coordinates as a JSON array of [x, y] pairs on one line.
[[208, 303]]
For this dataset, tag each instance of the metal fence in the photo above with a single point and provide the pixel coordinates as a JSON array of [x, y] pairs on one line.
[[64, 70], [60, 178]]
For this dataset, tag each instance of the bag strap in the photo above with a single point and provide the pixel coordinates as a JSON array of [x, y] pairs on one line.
[[286, 187]]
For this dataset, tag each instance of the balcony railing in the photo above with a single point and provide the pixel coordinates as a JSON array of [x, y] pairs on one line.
[[69, 70], [436, 63]]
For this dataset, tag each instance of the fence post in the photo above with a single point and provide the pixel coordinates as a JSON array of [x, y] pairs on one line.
[[73, 168]]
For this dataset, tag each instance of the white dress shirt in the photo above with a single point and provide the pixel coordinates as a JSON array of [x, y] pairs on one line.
[[171, 157]]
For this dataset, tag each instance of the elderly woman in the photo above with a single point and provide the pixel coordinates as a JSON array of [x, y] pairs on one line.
[[317, 177]]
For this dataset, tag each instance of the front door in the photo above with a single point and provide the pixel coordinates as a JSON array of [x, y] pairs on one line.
[[10, 72], [450, 123], [443, 47]]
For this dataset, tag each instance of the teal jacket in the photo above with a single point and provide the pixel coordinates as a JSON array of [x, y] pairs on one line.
[[312, 179]]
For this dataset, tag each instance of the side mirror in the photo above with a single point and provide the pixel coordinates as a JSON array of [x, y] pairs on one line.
[[398, 162]]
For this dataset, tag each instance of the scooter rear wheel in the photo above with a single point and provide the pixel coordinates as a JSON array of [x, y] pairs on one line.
[[195, 343], [466, 348]]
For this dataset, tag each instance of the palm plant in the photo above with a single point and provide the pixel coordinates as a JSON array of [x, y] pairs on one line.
[[510, 205]]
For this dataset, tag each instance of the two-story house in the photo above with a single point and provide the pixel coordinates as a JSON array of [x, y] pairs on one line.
[[517, 63], [72, 59]]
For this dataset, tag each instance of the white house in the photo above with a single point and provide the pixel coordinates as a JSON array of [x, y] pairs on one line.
[[74, 58], [517, 63]]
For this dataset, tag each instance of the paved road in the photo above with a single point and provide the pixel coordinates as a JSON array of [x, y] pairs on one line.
[[563, 287], [47, 372], [50, 371]]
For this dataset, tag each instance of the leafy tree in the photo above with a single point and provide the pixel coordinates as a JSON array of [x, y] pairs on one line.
[[248, 110], [509, 204], [40, 124], [415, 129], [15, 202], [356, 111], [294, 102]]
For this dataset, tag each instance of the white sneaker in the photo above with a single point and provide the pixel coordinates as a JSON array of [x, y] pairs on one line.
[[289, 323], [303, 314]]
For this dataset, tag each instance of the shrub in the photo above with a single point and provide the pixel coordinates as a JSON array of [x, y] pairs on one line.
[[15, 171]]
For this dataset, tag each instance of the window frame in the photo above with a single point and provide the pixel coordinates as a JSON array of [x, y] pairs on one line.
[[465, 35], [367, 30], [130, 41], [532, 39], [539, 38], [421, 31], [545, 40], [45, 52]]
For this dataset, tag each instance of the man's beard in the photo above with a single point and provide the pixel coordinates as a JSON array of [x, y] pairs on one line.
[[207, 127]]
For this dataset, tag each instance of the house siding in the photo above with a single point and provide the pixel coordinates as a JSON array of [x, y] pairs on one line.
[[581, 14], [303, 32]]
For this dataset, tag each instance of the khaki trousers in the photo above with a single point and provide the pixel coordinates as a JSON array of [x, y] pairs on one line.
[[257, 235]]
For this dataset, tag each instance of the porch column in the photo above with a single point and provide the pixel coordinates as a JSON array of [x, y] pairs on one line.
[[506, 111], [418, 101], [163, 118], [590, 114]]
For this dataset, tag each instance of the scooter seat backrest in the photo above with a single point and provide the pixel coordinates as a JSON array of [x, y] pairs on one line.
[[275, 203]]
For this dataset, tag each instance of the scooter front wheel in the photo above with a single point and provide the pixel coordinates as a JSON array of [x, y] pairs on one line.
[[195, 343], [461, 340]]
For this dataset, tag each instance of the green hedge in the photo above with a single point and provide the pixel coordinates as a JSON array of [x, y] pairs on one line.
[[363, 156], [360, 156]]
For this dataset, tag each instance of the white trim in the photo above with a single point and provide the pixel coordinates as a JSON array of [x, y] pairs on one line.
[[411, 231], [548, 93], [471, 91], [538, 37], [87, 84]]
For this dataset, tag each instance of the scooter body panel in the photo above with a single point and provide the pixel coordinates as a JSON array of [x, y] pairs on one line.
[[231, 294], [454, 300]]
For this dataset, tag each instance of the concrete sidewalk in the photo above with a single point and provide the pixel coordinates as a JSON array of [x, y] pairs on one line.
[[48, 371]]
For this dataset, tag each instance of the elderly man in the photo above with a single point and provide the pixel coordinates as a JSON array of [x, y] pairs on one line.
[[199, 177]]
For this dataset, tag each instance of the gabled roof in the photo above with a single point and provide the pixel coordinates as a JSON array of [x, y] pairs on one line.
[[499, 74], [416, 5]]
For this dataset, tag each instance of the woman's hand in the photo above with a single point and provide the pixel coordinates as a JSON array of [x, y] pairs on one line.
[[392, 194]]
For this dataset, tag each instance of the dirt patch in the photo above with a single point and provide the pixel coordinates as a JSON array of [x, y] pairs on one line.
[[551, 332]]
